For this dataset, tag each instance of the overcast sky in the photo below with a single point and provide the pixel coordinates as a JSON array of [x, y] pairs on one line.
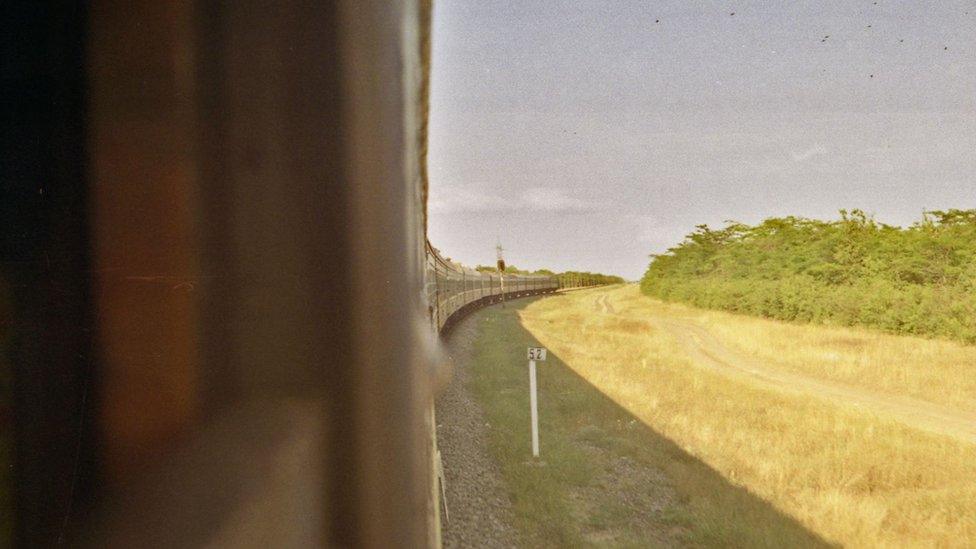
[[589, 134]]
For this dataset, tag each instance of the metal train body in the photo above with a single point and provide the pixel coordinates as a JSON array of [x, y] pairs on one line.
[[228, 374], [452, 290]]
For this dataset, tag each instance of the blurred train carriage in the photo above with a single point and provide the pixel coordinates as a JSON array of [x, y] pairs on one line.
[[203, 200]]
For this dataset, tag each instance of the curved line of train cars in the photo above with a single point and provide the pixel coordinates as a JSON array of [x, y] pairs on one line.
[[453, 290]]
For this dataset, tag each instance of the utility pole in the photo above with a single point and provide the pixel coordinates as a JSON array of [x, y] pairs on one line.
[[501, 270]]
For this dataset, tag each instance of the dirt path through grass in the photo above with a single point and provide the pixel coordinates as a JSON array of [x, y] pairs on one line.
[[604, 478], [774, 410], [708, 351]]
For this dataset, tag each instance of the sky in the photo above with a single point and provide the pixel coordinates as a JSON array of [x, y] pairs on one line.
[[588, 135]]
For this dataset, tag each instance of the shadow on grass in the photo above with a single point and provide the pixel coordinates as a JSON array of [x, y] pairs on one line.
[[605, 477]]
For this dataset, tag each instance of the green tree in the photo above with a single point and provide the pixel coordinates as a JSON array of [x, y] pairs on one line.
[[852, 271]]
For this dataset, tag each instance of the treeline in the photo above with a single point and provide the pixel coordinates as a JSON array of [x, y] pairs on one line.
[[565, 278], [510, 269], [571, 278], [852, 271]]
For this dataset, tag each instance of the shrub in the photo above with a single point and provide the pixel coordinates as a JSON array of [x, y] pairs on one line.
[[851, 271]]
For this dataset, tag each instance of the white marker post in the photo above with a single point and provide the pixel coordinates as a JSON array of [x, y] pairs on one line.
[[535, 353]]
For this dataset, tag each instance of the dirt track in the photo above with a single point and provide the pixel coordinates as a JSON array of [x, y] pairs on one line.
[[708, 352]]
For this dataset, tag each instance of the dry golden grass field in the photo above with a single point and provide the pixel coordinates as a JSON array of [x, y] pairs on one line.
[[816, 435]]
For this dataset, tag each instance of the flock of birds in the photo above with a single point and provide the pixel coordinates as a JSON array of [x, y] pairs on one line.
[[827, 36]]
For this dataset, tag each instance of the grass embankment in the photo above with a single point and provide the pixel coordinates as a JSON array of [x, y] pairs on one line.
[[606, 477], [941, 372], [845, 474], [919, 280]]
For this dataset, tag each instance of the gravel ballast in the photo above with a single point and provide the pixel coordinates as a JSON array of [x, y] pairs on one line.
[[480, 513]]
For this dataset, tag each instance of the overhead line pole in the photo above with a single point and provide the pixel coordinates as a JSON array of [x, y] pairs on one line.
[[501, 271]]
